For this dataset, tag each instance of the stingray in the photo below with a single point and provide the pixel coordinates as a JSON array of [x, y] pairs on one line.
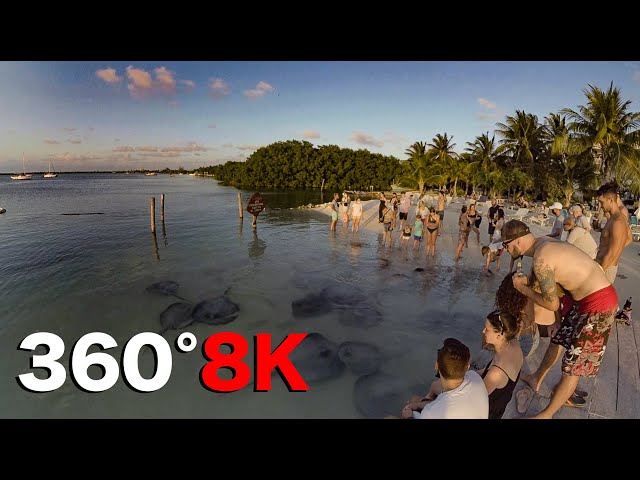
[[359, 357], [216, 311], [166, 287], [176, 316], [380, 394], [360, 316], [340, 296], [316, 358]]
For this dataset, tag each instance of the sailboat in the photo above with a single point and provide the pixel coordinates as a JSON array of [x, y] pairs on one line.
[[51, 173], [22, 176]]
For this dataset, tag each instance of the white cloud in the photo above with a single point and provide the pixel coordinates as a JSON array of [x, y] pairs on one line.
[[51, 141], [310, 134], [486, 103], [218, 88], [108, 75], [190, 84], [261, 88], [365, 139]]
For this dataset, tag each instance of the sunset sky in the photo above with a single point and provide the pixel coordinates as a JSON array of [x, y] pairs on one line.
[[130, 115]]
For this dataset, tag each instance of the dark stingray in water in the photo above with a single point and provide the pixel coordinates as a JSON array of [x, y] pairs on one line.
[[216, 311], [340, 295], [360, 316], [359, 357], [176, 316], [380, 394], [310, 305], [166, 287], [316, 358]]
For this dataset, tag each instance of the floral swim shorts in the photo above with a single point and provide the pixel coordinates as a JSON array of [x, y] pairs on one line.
[[584, 332]]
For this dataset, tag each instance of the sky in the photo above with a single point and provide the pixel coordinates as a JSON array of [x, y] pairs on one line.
[[118, 115]]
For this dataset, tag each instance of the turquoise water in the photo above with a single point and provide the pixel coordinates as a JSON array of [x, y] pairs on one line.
[[75, 274]]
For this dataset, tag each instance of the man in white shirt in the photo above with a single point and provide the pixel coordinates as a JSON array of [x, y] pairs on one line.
[[459, 393], [580, 237]]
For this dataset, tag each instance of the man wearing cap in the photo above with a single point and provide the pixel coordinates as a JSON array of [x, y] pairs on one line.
[[587, 308], [459, 393], [578, 236], [556, 231], [616, 234]]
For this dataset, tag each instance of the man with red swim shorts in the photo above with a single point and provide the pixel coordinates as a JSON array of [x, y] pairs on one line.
[[588, 307]]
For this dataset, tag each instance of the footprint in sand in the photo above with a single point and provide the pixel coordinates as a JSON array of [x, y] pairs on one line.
[[621, 276]]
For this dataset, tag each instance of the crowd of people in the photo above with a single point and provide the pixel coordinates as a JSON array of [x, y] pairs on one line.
[[569, 290]]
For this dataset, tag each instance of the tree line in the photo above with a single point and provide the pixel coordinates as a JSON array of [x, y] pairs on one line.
[[569, 151]]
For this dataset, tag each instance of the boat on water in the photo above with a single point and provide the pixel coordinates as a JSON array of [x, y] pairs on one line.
[[151, 174], [51, 173], [2, 210], [23, 175]]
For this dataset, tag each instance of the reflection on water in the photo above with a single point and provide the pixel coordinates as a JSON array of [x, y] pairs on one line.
[[72, 275]]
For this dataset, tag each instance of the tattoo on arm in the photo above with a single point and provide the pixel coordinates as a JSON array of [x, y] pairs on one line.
[[547, 280]]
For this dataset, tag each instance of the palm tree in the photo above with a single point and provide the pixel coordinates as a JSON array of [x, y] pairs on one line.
[[444, 157], [483, 154], [522, 138], [606, 128], [417, 165]]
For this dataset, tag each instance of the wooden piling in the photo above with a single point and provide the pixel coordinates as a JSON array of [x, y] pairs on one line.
[[152, 203], [162, 207], [240, 204]]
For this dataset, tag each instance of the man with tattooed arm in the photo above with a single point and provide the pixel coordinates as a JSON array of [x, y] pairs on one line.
[[586, 310]]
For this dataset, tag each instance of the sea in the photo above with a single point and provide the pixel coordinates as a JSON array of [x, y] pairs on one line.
[[77, 255]]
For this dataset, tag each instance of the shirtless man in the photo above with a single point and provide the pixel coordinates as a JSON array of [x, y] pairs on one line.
[[440, 210], [588, 307], [616, 234]]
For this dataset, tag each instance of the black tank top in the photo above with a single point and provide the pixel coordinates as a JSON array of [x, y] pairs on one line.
[[500, 397]]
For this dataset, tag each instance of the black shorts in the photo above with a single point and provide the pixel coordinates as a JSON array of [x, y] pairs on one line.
[[492, 228], [403, 216]]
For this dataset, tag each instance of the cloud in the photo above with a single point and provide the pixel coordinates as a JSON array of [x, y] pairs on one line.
[[394, 138], [365, 139], [227, 145], [68, 129], [310, 134], [72, 157], [153, 149], [190, 84], [247, 147], [51, 141], [218, 88], [213, 125], [116, 139], [261, 88], [108, 75], [91, 129], [75, 140], [486, 103], [140, 82], [487, 116], [165, 80], [159, 154]]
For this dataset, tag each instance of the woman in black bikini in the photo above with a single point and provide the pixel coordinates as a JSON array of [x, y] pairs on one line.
[[503, 371], [432, 223], [473, 217]]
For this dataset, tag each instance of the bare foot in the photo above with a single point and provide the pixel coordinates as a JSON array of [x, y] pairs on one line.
[[532, 381], [523, 399]]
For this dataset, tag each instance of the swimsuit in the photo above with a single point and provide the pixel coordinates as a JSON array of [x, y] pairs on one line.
[[585, 330], [500, 397]]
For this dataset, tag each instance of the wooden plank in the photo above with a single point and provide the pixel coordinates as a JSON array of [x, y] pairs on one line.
[[605, 390], [628, 373]]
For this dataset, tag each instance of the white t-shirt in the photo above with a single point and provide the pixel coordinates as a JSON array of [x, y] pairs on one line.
[[582, 239], [469, 400]]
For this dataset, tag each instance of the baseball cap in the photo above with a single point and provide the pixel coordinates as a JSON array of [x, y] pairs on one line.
[[557, 205], [514, 229]]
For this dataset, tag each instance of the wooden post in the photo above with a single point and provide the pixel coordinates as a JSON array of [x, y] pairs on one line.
[[162, 207], [240, 204], [322, 186], [153, 214]]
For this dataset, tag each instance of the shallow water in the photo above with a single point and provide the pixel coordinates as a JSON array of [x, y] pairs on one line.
[[75, 274]]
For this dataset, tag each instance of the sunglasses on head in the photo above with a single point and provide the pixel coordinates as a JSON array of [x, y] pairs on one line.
[[504, 244], [497, 313]]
